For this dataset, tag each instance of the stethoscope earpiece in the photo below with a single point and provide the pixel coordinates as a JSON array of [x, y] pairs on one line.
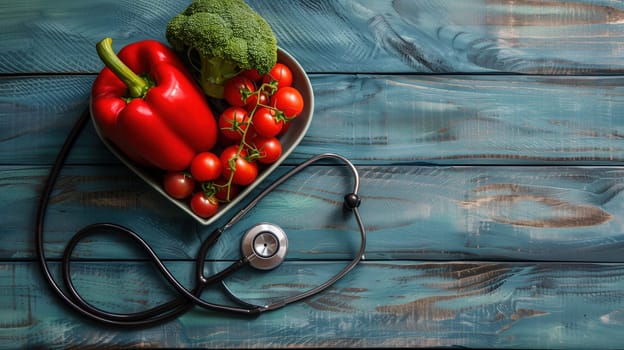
[[264, 246]]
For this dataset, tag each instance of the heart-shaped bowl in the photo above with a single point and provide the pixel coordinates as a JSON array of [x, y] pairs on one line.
[[289, 140]]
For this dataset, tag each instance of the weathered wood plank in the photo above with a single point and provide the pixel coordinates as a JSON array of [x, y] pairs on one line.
[[552, 37], [468, 119], [379, 304], [38, 113], [376, 119], [411, 212], [431, 222]]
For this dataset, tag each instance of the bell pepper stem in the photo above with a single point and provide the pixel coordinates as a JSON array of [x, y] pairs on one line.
[[137, 86]]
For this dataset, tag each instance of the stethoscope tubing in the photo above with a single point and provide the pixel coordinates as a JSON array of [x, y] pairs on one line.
[[187, 298], [148, 317]]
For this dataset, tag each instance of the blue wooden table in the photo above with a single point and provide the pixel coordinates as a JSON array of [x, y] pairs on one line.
[[488, 134]]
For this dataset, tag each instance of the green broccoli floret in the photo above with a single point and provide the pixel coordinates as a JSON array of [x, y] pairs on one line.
[[221, 38]]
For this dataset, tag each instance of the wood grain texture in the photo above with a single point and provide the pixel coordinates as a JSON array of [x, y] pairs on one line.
[[488, 134], [377, 119], [461, 119], [411, 212], [432, 36], [471, 304]]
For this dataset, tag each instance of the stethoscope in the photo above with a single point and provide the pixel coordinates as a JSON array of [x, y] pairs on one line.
[[263, 247]]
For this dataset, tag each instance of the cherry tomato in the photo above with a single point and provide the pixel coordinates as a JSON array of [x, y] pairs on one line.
[[223, 192], [204, 205], [285, 128], [233, 122], [242, 171], [280, 73], [237, 89], [248, 137], [268, 149], [252, 74], [288, 100], [261, 98], [265, 123], [206, 166], [178, 184]]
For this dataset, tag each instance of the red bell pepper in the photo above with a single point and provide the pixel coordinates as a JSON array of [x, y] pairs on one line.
[[147, 104]]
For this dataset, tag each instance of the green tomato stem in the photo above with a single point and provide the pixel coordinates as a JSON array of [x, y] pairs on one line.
[[241, 146]]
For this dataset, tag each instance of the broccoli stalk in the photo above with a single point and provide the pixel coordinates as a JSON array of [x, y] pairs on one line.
[[213, 73], [221, 38]]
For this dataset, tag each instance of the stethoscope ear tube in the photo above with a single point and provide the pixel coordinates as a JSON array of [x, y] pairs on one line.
[[267, 246]]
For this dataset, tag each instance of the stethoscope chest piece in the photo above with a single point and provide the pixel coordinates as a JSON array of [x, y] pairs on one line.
[[264, 246]]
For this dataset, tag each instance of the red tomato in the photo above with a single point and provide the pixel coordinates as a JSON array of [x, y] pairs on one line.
[[204, 205], [233, 122], [265, 123], [288, 100], [178, 185], [206, 166], [252, 74], [237, 89], [279, 73], [268, 149], [256, 99], [225, 193], [236, 166], [285, 128]]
